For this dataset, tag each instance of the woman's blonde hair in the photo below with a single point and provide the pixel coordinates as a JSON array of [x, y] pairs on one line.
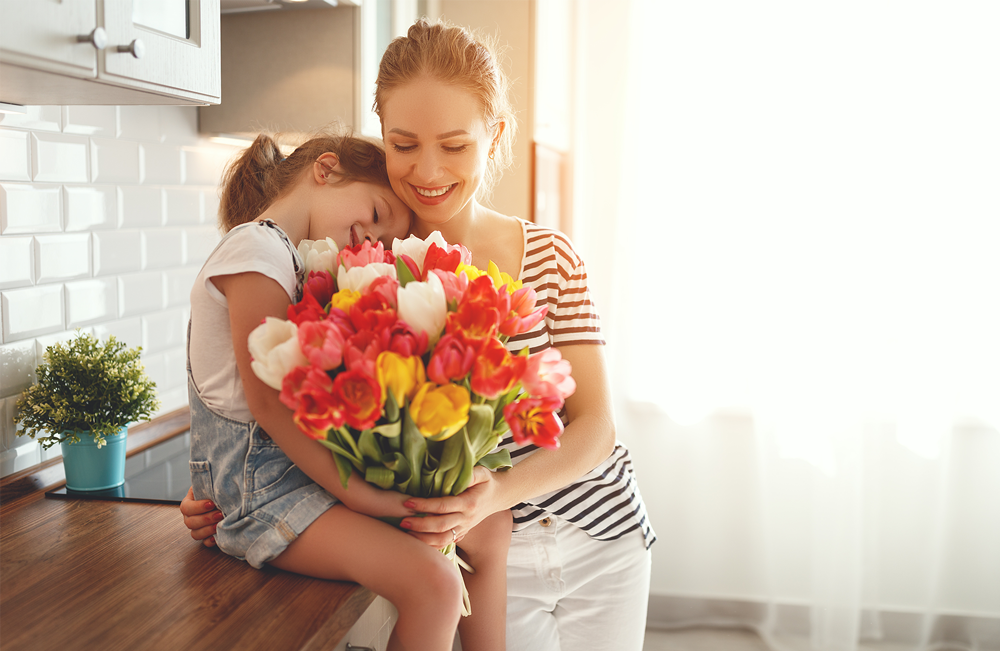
[[458, 56], [261, 173]]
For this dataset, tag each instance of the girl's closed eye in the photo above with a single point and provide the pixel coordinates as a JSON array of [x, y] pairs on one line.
[[403, 148], [457, 149]]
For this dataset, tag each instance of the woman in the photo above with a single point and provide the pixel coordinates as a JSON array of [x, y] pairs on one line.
[[578, 567]]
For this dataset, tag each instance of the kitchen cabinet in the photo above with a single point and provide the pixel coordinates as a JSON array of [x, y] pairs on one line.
[[110, 52]]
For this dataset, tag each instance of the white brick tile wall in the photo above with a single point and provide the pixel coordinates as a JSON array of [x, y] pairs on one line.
[[26, 208], [106, 214], [17, 363], [163, 247], [140, 293], [140, 123], [128, 331], [161, 163], [140, 206], [62, 257], [36, 118], [178, 125], [178, 284], [32, 311], [183, 206], [163, 330], [210, 207], [14, 155], [204, 165], [91, 301], [17, 267], [60, 158], [199, 243], [90, 120], [115, 161], [117, 252], [89, 207]]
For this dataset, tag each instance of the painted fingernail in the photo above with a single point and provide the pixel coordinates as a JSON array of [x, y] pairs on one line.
[[410, 504], [209, 505], [218, 516], [405, 524]]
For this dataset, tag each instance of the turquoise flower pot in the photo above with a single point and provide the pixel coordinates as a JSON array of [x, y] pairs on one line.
[[91, 469]]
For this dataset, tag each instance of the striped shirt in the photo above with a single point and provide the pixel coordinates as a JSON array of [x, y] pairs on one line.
[[604, 502]]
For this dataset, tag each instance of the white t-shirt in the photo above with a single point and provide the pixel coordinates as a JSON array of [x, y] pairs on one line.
[[255, 246]]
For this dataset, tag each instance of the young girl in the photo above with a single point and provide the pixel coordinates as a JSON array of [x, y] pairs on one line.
[[278, 491]]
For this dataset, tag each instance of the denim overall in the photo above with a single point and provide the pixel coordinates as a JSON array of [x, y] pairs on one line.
[[266, 500]]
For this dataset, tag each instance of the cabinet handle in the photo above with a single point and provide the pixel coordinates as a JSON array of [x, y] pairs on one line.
[[98, 38], [136, 48]]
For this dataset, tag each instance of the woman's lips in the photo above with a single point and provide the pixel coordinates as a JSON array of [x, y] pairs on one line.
[[432, 196]]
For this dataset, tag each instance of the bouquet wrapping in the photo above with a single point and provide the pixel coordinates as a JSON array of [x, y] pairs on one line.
[[396, 362]]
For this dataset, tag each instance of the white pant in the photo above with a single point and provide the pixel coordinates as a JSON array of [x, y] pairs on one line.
[[569, 592]]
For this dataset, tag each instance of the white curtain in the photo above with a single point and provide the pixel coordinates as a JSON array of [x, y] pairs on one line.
[[790, 212]]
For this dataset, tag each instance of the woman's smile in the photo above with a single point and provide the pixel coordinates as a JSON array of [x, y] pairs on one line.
[[433, 196]]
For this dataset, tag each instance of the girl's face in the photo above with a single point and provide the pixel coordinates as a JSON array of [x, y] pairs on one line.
[[436, 147], [355, 212]]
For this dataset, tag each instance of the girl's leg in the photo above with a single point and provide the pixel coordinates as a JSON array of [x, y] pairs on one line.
[[418, 580], [485, 549]]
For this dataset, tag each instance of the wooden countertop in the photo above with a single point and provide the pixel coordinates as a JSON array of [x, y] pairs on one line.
[[87, 574]]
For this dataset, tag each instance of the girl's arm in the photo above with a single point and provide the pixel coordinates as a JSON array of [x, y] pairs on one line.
[[588, 440], [251, 298]]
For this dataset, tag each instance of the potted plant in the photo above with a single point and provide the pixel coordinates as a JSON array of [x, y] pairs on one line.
[[84, 399]]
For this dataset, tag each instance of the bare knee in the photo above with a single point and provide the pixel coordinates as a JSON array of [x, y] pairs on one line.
[[435, 586], [491, 537]]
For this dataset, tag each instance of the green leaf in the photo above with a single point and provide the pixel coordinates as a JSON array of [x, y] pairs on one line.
[[480, 425], [369, 447], [498, 459], [414, 451], [341, 458], [403, 273], [389, 430], [391, 412], [467, 464], [380, 476]]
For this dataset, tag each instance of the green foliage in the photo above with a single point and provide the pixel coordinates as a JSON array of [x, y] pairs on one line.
[[84, 386]]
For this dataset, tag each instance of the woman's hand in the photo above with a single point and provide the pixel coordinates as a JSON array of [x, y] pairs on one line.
[[459, 513], [201, 517]]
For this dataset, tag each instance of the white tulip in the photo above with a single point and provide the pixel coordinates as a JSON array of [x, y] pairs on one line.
[[319, 255], [423, 305], [274, 350], [359, 278], [416, 248]]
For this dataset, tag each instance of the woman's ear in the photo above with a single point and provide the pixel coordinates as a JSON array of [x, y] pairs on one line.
[[496, 137], [326, 164]]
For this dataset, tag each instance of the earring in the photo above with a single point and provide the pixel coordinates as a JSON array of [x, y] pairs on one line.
[[491, 154]]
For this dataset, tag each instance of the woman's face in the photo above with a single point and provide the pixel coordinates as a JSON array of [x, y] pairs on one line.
[[436, 147], [355, 212]]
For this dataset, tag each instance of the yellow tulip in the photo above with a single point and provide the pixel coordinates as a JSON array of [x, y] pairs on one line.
[[400, 375], [501, 278], [440, 411], [344, 299]]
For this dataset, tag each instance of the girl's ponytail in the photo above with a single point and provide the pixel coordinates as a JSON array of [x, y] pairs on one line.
[[246, 190]]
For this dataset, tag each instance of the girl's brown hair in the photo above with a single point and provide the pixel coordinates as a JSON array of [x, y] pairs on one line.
[[458, 56], [261, 173]]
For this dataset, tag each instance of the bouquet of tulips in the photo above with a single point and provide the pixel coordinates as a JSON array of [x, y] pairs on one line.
[[395, 361]]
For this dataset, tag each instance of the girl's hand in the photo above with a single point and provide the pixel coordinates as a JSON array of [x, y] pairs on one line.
[[201, 517], [459, 513]]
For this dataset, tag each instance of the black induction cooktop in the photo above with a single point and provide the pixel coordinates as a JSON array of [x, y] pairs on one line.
[[159, 474]]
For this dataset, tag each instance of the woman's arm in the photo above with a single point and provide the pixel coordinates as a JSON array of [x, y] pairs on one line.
[[251, 298], [588, 440]]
